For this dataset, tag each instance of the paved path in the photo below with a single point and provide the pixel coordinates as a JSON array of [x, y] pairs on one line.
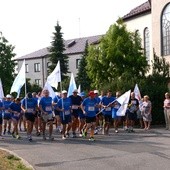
[[142, 150]]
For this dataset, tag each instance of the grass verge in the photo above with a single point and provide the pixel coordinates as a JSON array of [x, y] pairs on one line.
[[9, 161]]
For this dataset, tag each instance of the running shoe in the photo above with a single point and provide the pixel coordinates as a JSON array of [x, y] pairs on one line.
[[44, 137], [91, 139], [18, 137], [64, 137], [84, 134], [9, 133], [13, 135]]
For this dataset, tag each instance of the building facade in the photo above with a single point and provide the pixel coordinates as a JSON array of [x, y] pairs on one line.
[[37, 62]]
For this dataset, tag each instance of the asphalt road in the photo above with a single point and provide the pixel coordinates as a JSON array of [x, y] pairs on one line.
[[142, 150]]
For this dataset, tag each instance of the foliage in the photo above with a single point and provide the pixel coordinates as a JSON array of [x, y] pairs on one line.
[[119, 52], [82, 77], [57, 52], [7, 64]]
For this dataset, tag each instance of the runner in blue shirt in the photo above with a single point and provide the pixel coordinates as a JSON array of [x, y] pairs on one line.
[[7, 114], [15, 109], [29, 107], [46, 109], [89, 109], [64, 106], [107, 104]]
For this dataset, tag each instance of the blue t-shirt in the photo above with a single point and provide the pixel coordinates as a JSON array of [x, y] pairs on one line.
[[15, 107], [66, 104], [55, 100], [105, 101], [30, 104], [46, 103], [6, 105], [90, 106], [1, 105]]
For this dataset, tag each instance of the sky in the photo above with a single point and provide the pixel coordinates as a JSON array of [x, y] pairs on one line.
[[29, 24]]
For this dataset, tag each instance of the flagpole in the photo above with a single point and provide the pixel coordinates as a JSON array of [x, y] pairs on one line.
[[62, 100]]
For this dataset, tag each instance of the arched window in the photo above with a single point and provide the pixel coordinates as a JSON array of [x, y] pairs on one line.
[[165, 22], [147, 44]]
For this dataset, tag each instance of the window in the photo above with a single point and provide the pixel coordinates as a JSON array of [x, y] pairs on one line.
[[147, 44], [37, 67], [38, 82], [26, 68], [165, 23], [77, 63]]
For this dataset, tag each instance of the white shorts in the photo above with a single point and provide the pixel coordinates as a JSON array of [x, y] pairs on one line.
[[47, 117]]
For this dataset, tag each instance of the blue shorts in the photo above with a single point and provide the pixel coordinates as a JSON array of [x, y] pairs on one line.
[[56, 112], [7, 116], [114, 115], [15, 117], [66, 119], [81, 115]]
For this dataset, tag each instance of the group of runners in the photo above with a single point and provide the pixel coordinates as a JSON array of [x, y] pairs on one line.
[[78, 114]]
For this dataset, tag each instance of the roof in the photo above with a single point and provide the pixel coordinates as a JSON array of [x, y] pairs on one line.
[[73, 46], [139, 10]]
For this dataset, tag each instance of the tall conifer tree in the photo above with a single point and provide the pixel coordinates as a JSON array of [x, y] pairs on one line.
[[57, 52]]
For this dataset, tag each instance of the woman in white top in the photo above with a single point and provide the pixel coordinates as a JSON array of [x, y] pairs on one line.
[[166, 107]]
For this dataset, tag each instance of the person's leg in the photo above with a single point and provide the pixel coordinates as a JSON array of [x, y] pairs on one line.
[[166, 119]]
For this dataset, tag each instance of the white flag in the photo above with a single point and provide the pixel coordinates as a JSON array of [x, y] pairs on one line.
[[55, 76], [50, 89], [137, 92], [1, 90], [72, 86], [19, 80], [123, 100], [79, 89]]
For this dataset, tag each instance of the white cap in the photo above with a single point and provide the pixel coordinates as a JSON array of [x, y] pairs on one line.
[[8, 96], [96, 91], [64, 91], [75, 91]]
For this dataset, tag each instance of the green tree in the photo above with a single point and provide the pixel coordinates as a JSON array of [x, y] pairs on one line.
[[118, 53], [57, 52], [7, 64], [82, 77]]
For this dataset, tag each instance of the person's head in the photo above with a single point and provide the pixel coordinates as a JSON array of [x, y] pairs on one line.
[[17, 100], [75, 92], [96, 92], [109, 93], [34, 94], [145, 98], [118, 94], [82, 95], [64, 93], [29, 95], [167, 95], [8, 97], [91, 94], [45, 93], [132, 95]]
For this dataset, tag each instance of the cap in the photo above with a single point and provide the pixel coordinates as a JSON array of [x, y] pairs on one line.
[[82, 94], [75, 91], [64, 91], [96, 91], [91, 93], [8, 96]]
